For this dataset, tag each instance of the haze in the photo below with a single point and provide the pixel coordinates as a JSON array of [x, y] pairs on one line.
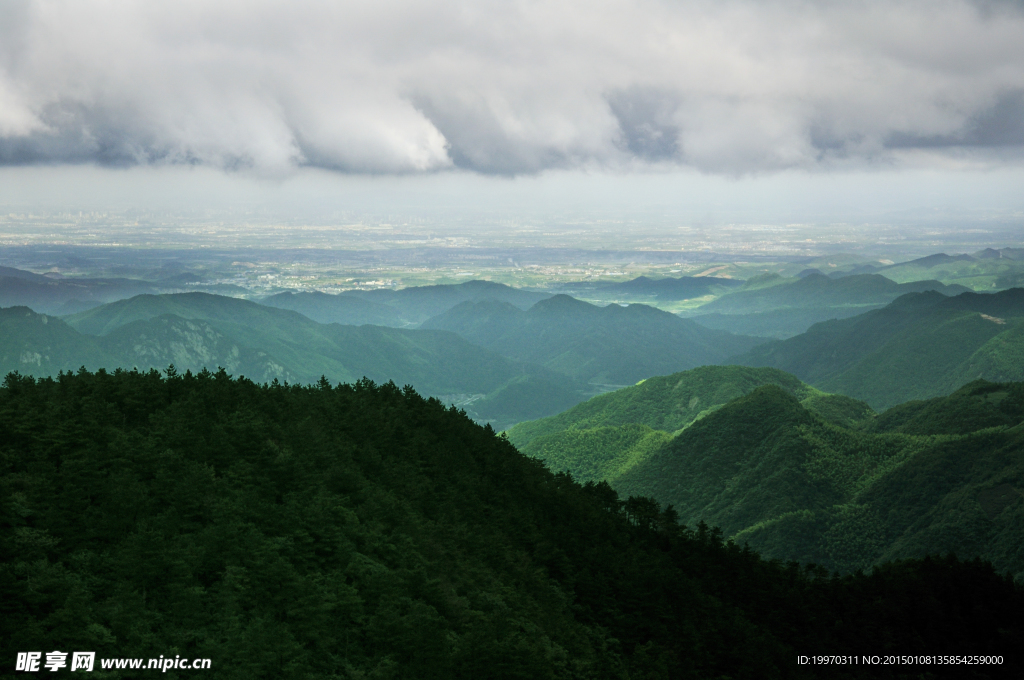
[[652, 114]]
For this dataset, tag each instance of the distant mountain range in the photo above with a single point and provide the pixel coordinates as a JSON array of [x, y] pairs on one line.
[[922, 345], [198, 330], [803, 475], [405, 307], [673, 289], [778, 307], [615, 345], [576, 343]]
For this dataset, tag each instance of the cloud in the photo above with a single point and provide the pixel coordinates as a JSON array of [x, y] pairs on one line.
[[513, 87]]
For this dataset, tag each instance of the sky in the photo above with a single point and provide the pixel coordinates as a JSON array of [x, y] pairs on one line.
[[738, 102]]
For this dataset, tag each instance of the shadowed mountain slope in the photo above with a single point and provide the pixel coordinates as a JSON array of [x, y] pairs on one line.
[[38, 344], [610, 345], [198, 330], [343, 309], [671, 289], [418, 303], [44, 294]]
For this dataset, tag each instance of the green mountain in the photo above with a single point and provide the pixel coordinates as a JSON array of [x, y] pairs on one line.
[[360, 531], [672, 289], [343, 309], [616, 345], [920, 346], [668, 403], [976, 406], [819, 480], [38, 344], [194, 331], [988, 269], [418, 303], [790, 306], [957, 492], [190, 345]]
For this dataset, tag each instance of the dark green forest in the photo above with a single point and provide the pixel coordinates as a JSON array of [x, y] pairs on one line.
[[362, 531]]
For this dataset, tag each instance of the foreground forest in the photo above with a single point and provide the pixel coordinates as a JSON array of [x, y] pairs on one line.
[[362, 531]]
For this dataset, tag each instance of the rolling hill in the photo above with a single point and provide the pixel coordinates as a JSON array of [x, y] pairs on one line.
[[670, 288], [38, 344], [343, 309], [667, 403], [820, 479], [791, 306], [919, 346], [198, 330], [616, 345], [416, 304]]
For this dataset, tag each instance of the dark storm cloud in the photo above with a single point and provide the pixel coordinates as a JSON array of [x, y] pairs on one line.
[[646, 119], [732, 87], [1001, 125]]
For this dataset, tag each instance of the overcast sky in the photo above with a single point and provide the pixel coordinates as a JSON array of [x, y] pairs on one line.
[[725, 88]]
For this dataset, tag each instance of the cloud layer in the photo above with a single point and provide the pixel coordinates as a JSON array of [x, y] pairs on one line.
[[394, 86]]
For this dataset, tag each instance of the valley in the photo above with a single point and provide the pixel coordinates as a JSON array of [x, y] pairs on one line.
[[790, 425]]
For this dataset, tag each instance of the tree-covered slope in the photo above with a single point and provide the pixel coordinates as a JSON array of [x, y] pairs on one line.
[[44, 345], [667, 403], [920, 346], [976, 406], [609, 345], [937, 476], [805, 475], [759, 457], [197, 330], [364, 532], [194, 344]]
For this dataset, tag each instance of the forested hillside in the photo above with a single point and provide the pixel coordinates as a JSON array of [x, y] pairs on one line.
[[819, 478], [361, 531], [610, 345], [197, 330], [665, 402], [920, 346]]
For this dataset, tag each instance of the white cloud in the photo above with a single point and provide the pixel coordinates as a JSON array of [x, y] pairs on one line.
[[728, 87]]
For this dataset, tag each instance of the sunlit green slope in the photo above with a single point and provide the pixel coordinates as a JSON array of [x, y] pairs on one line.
[[822, 479], [666, 403]]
